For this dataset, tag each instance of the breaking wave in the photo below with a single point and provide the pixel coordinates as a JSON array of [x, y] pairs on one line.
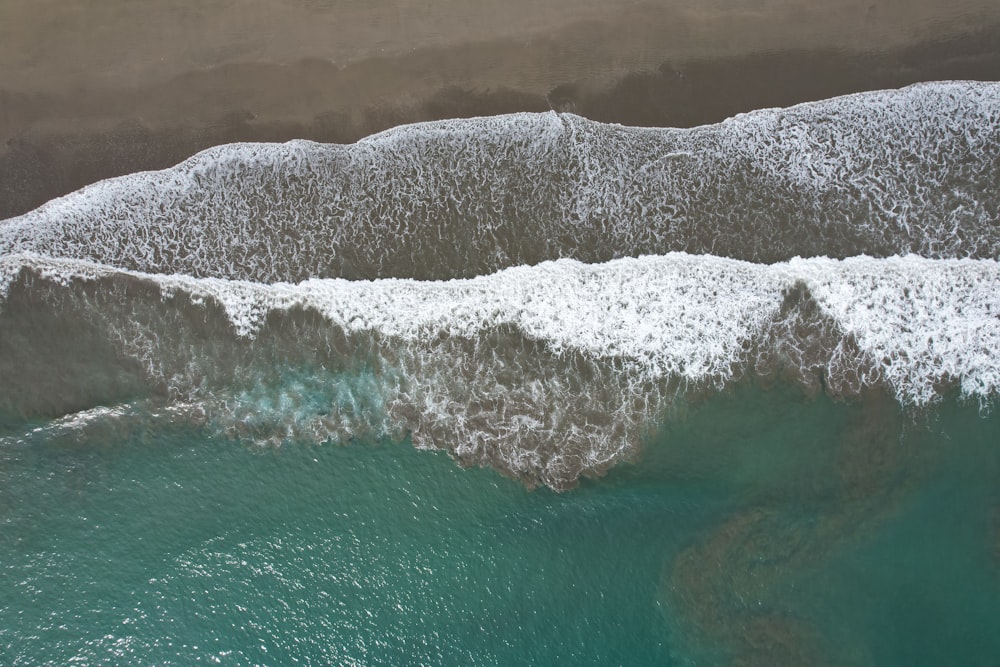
[[546, 372]]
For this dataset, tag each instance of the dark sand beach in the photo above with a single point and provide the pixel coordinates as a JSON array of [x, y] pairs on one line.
[[94, 90]]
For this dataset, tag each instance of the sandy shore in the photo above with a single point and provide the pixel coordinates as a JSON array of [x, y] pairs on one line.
[[90, 90]]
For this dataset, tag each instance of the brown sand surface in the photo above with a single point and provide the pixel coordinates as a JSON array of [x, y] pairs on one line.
[[96, 88]]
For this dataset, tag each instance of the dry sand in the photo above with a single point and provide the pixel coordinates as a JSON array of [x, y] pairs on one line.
[[96, 88]]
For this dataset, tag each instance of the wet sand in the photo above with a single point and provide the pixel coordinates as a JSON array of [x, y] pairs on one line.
[[93, 90]]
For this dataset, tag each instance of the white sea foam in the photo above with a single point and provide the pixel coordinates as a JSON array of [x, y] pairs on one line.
[[546, 369], [920, 323], [545, 372], [882, 173]]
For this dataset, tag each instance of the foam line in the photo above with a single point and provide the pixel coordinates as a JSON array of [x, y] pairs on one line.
[[919, 322]]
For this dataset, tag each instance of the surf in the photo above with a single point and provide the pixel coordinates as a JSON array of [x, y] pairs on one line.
[[880, 174], [547, 373], [534, 292]]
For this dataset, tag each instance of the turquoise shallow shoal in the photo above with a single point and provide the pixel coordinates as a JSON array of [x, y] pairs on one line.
[[759, 527]]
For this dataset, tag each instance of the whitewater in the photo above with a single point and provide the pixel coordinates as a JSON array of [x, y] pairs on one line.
[[534, 292]]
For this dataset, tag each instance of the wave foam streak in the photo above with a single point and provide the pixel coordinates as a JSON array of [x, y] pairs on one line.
[[547, 372]]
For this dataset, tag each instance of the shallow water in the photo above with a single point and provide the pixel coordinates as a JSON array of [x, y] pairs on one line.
[[759, 528]]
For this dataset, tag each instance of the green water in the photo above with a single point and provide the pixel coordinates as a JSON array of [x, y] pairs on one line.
[[760, 528]]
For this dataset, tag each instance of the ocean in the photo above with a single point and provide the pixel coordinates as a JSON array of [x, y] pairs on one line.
[[517, 389]]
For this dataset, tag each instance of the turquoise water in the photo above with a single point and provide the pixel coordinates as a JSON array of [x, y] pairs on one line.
[[758, 528]]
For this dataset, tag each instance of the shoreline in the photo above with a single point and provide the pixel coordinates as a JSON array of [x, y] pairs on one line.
[[59, 137]]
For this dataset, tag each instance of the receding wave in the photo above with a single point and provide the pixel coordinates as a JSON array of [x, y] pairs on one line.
[[884, 173], [547, 372]]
